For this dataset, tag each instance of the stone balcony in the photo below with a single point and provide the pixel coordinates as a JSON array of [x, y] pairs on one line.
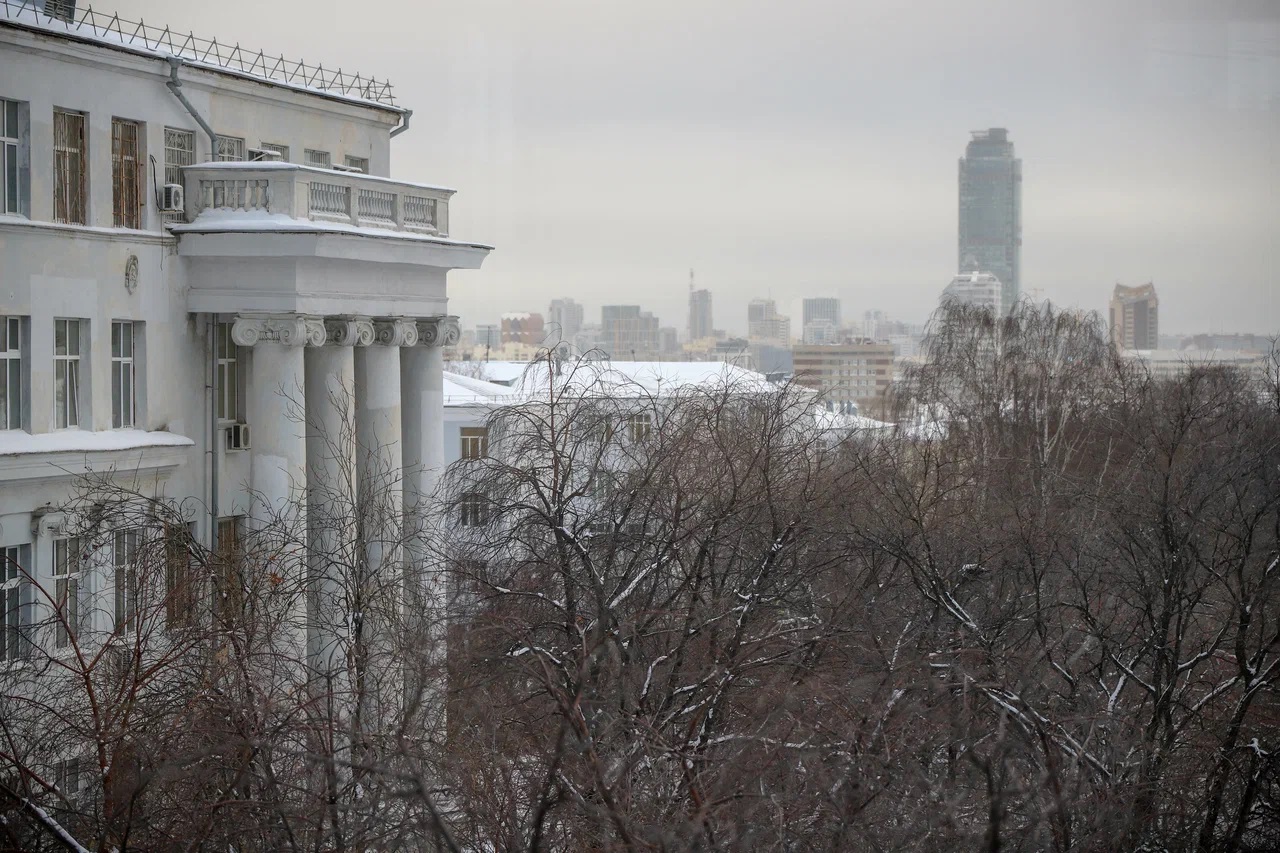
[[317, 195], [279, 237]]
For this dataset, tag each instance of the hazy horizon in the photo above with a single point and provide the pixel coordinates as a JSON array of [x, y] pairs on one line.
[[810, 149]]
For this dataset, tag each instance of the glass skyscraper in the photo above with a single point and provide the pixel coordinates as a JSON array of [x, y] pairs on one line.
[[991, 211]]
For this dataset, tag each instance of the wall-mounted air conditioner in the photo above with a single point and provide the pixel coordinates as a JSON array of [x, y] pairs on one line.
[[171, 199], [238, 437], [257, 155]]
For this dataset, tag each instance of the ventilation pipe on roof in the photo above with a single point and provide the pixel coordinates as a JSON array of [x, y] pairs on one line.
[[404, 124], [175, 86]]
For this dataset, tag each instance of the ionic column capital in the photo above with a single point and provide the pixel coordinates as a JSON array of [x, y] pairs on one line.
[[439, 331], [395, 332], [290, 330], [348, 331]]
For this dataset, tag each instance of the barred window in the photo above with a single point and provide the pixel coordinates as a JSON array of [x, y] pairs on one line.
[[179, 151], [69, 167], [282, 150], [230, 149], [126, 173], [361, 163], [319, 159]]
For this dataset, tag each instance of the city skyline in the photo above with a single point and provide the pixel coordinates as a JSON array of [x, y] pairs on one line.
[[605, 150]]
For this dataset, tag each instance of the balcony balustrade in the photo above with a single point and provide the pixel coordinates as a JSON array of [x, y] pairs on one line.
[[319, 195]]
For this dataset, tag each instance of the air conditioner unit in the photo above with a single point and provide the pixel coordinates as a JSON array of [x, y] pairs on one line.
[[171, 198], [340, 167], [260, 154], [238, 437]]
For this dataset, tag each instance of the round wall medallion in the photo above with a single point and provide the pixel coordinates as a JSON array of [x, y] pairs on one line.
[[131, 273]]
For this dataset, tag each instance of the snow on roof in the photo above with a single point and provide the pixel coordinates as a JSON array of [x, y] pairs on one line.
[[138, 38], [468, 391], [627, 378], [15, 442], [838, 422], [221, 220]]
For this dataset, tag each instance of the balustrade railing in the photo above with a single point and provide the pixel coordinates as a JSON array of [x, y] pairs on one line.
[[305, 192]]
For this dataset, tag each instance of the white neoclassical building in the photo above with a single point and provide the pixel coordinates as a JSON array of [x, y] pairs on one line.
[[201, 252]]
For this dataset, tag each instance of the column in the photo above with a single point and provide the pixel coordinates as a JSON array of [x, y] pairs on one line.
[[331, 489], [422, 384]]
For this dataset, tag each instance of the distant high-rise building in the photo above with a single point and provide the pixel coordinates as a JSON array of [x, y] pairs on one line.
[[523, 328], [853, 374], [488, 336], [975, 288], [991, 211], [627, 332], [564, 320], [821, 308], [700, 315], [1135, 322], [764, 323]]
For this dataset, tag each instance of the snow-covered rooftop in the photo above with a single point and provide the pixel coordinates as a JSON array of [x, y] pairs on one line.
[[137, 37], [462, 390], [623, 378]]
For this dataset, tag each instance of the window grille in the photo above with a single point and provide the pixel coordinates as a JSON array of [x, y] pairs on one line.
[[67, 572], [11, 384], [179, 151], [126, 174], [122, 374], [180, 581], [319, 159], [228, 374], [125, 563], [68, 167], [475, 442], [230, 149], [63, 10], [66, 373], [13, 168], [475, 510], [361, 163], [14, 615], [282, 150]]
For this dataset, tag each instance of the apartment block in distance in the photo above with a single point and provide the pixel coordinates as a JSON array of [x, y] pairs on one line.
[[1135, 317], [848, 375]]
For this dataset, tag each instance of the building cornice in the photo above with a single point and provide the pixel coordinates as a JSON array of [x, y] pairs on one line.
[[21, 225]]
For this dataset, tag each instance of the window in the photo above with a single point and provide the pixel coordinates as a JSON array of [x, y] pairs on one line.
[[179, 577], [67, 566], [228, 560], [228, 387], [124, 559], [13, 157], [67, 776], [66, 373], [69, 176], [63, 10], [282, 150], [122, 374], [361, 163], [475, 510], [640, 425], [13, 613], [230, 149], [319, 159], [11, 384], [475, 442], [179, 151], [126, 174]]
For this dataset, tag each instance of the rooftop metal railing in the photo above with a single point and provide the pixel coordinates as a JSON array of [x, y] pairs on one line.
[[111, 28]]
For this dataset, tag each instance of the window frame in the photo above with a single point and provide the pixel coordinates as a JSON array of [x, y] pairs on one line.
[[15, 593], [13, 369], [281, 149], [361, 163], [227, 361], [473, 442], [639, 426], [70, 167], [15, 157], [473, 510], [128, 196], [317, 159], [181, 586], [124, 381], [66, 403], [126, 545], [68, 576]]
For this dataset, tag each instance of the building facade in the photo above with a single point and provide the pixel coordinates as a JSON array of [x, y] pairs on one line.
[[991, 211], [765, 324], [564, 320], [821, 308], [979, 289], [700, 323], [523, 328], [852, 376], [626, 332], [1135, 317], [206, 326]]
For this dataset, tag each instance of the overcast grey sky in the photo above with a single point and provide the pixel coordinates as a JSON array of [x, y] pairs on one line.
[[809, 147]]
